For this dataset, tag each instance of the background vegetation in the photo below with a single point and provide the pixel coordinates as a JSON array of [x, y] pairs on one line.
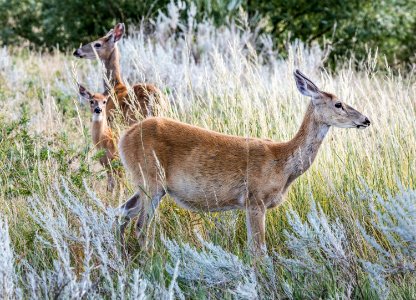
[[348, 28], [346, 231]]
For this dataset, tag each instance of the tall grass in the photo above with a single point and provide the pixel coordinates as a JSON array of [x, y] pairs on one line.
[[347, 229]]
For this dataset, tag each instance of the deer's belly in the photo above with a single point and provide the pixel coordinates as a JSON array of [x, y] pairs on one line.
[[206, 202], [206, 193]]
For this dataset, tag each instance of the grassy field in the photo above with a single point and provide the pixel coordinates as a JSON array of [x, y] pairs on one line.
[[347, 229]]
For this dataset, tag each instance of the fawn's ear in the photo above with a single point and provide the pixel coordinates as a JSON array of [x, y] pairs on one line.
[[84, 93], [118, 32], [306, 86]]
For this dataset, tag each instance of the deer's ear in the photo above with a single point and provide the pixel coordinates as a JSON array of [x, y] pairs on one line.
[[305, 85], [84, 93], [118, 32], [109, 34]]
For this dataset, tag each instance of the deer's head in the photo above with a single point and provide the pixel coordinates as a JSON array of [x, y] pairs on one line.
[[328, 108], [104, 46], [97, 102]]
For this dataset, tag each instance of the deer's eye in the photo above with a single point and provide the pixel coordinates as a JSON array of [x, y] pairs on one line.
[[97, 45], [92, 102], [338, 105], [104, 102]]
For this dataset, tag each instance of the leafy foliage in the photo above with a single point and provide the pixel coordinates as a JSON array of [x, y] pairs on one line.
[[66, 24], [347, 28], [335, 237]]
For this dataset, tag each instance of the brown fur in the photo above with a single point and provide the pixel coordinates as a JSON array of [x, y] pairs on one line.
[[103, 138], [146, 95], [210, 171], [102, 135]]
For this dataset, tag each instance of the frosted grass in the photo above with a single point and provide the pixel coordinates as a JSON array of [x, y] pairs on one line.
[[337, 236]]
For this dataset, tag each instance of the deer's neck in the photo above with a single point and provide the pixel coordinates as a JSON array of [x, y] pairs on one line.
[[99, 131], [303, 148], [112, 68]]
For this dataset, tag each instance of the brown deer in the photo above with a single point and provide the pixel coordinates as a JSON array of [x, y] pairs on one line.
[[209, 171], [102, 135], [147, 95]]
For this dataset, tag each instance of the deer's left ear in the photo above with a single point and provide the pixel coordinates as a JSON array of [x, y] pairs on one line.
[[84, 93], [306, 86], [118, 32]]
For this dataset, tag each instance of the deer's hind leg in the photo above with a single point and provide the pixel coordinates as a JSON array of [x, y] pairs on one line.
[[127, 211], [142, 206], [146, 216]]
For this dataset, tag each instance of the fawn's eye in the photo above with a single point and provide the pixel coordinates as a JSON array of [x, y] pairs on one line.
[[92, 102], [97, 45], [104, 102], [338, 105]]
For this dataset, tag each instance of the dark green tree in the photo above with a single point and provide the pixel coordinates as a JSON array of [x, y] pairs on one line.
[[351, 27], [51, 23]]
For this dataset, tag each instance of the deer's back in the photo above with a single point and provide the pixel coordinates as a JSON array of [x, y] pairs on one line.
[[147, 96]]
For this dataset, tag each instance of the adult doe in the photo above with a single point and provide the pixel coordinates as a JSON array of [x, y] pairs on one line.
[[205, 170], [102, 136], [147, 95]]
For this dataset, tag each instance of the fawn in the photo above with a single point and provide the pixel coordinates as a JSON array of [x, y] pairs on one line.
[[102, 136], [205, 170], [147, 95]]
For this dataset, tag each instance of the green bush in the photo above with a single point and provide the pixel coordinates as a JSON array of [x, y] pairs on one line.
[[346, 26], [349, 26], [66, 24]]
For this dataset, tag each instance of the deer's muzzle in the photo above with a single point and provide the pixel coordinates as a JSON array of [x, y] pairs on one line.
[[77, 53]]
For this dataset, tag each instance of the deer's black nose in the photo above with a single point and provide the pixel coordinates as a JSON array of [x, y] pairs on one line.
[[76, 53], [98, 110], [367, 121]]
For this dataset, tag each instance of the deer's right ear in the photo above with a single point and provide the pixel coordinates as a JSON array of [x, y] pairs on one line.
[[305, 85], [84, 93], [118, 32]]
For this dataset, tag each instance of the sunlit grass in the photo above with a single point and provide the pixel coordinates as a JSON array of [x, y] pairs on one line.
[[44, 138]]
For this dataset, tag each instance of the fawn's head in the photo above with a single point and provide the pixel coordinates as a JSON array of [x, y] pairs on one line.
[[104, 46], [328, 109], [96, 101]]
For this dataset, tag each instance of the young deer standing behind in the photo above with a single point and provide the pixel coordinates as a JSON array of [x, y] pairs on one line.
[[147, 95], [209, 171], [102, 135]]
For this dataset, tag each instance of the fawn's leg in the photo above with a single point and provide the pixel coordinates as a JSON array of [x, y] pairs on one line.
[[110, 181], [256, 223], [119, 175]]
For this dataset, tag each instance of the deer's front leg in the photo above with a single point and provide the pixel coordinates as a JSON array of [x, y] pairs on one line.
[[256, 223]]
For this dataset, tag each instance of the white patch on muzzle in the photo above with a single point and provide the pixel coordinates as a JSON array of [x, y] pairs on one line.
[[97, 117]]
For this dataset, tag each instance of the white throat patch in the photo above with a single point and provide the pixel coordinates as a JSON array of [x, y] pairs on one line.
[[97, 117]]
